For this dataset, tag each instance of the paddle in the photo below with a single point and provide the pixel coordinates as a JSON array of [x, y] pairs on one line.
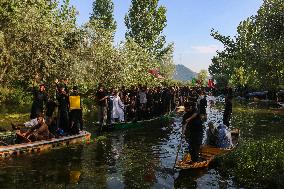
[[180, 144]]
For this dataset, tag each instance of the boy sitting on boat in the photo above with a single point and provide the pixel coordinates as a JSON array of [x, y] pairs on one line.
[[39, 131]]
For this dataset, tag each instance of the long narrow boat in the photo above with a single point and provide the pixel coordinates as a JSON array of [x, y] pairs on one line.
[[43, 145], [133, 124], [208, 153]]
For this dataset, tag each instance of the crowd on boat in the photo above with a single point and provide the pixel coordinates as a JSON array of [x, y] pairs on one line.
[[67, 121], [139, 103], [117, 106]]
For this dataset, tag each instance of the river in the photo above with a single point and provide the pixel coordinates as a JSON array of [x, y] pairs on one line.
[[135, 158]]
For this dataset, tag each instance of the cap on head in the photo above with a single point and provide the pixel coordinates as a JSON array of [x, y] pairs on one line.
[[61, 86]]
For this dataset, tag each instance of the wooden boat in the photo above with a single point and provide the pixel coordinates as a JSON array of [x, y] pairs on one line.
[[133, 124], [43, 145], [208, 153]]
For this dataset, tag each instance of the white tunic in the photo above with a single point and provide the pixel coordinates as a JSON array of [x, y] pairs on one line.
[[117, 108], [31, 123], [142, 97]]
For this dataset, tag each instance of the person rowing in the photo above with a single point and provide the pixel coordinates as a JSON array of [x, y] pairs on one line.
[[193, 130]]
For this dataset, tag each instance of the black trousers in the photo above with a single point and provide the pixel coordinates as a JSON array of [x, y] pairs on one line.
[[227, 118], [76, 120], [64, 120], [194, 140]]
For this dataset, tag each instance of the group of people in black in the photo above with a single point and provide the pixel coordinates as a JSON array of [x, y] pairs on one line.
[[124, 105], [140, 103], [68, 119]]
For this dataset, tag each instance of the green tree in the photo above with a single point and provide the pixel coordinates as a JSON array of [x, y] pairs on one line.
[[38, 40], [145, 23], [102, 15], [202, 77], [254, 58]]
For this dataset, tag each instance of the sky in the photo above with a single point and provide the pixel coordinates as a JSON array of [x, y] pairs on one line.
[[189, 23]]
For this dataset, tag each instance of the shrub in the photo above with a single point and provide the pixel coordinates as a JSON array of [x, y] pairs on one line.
[[14, 98], [258, 163]]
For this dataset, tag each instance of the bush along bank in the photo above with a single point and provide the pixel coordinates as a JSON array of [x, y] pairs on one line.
[[257, 164]]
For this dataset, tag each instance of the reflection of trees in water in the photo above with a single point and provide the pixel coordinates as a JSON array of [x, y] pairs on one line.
[[188, 178], [50, 170], [140, 155], [95, 164], [100, 161]]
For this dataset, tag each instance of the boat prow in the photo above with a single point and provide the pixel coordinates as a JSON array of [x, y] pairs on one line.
[[43, 145], [208, 153]]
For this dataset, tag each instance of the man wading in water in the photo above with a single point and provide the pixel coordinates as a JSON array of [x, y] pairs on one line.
[[193, 130]]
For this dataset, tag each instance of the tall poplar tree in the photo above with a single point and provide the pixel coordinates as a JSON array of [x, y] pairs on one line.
[[145, 22], [103, 14]]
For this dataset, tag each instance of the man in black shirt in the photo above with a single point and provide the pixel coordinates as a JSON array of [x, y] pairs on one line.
[[101, 96], [193, 130], [63, 109], [39, 100]]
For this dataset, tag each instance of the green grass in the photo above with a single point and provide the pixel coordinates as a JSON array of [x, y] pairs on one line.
[[7, 119]]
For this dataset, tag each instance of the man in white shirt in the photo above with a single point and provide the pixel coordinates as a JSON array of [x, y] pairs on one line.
[[28, 124]]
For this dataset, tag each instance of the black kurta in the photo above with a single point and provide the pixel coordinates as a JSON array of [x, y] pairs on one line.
[[39, 100]]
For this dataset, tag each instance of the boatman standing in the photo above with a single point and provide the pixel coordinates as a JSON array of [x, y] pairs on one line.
[[228, 107], [193, 130]]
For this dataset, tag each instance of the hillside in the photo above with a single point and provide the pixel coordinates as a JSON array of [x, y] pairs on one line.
[[183, 73]]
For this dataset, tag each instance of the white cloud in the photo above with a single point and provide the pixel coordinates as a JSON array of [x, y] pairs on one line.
[[209, 49]]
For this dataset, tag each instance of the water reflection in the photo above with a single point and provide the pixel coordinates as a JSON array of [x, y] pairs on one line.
[[188, 178]]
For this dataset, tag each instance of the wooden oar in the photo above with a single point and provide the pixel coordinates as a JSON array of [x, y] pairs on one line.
[[180, 144]]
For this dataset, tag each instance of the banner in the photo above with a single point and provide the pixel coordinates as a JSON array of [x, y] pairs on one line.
[[156, 73]]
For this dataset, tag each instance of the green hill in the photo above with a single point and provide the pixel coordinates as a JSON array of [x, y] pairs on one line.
[[183, 73]]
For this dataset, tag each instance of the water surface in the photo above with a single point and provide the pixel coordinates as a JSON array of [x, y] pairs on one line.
[[135, 158]]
